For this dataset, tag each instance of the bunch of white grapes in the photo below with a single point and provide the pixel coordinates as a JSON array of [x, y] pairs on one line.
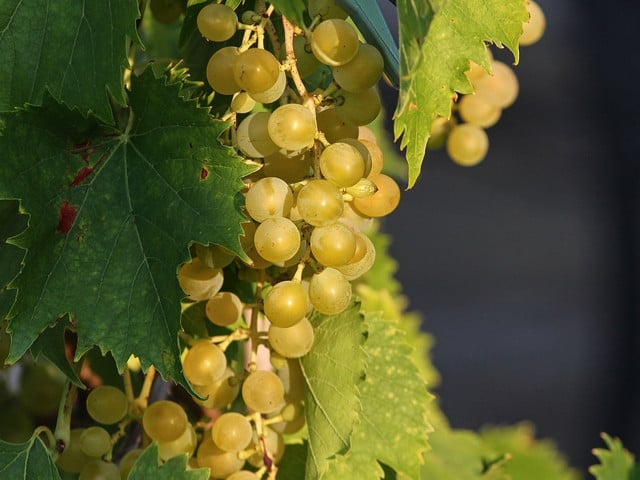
[[464, 134]]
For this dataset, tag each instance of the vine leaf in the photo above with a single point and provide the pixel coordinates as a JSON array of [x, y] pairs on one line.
[[438, 38], [392, 427], [27, 460], [616, 463], [77, 52], [149, 466], [292, 467], [332, 370], [11, 223], [292, 9], [111, 216]]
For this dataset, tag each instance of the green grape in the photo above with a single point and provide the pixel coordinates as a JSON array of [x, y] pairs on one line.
[[292, 127], [164, 421], [263, 391], [249, 17], [326, 9], [224, 309], [381, 203], [334, 128], [217, 22], [294, 383], [185, 443], [439, 132], [220, 71], [214, 256], [291, 169], [342, 164], [252, 136], [204, 363], [166, 11], [221, 463], [333, 245], [362, 260], [269, 197], [359, 108], [41, 387], [329, 291], [198, 281], [127, 462], [306, 61], [501, 87], [256, 70], [16, 425], [334, 42], [273, 447], [220, 393], [95, 442], [362, 72], [243, 475], [273, 93], [286, 303], [534, 28], [365, 153], [99, 470], [292, 342], [467, 144], [277, 239], [477, 110], [320, 203], [107, 404], [232, 432], [72, 458], [242, 102]]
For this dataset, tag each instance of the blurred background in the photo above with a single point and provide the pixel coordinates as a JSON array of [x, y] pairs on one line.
[[525, 268]]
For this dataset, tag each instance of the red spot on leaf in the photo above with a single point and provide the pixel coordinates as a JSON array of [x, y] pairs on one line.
[[66, 217], [204, 173], [81, 175], [413, 106]]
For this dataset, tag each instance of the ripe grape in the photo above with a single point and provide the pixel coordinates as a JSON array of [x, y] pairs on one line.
[[221, 463], [333, 245], [329, 291], [185, 443], [292, 127], [286, 303], [269, 197], [164, 421], [294, 341], [365, 153], [477, 110], [333, 127], [501, 87], [220, 71], [334, 42], [99, 470], [256, 70], [534, 28], [263, 391], [277, 239], [273, 93], [467, 144], [224, 309], [359, 108], [381, 203], [217, 22], [204, 363], [232, 432], [198, 281], [95, 442], [107, 404], [320, 203], [252, 136], [342, 164], [362, 72]]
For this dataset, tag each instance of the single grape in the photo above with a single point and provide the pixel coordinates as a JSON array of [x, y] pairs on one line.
[[220, 71], [334, 42], [242, 102], [333, 127], [381, 203], [127, 462], [359, 108], [232, 432], [204, 363], [362, 260], [198, 281], [166, 11], [467, 144], [164, 421], [269, 197], [320, 203], [263, 391], [365, 153], [217, 22], [329, 291], [534, 28], [107, 404], [185, 443], [342, 164], [290, 168], [477, 110], [73, 459], [220, 393], [252, 136], [99, 470], [501, 87], [256, 70], [95, 442], [326, 9], [333, 245], [292, 342], [286, 303], [273, 93], [224, 309], [362, 72], [277, 239], [292, 127], [221, 463]]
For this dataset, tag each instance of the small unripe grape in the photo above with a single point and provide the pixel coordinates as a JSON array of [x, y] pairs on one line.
[[277, 239], [467, 144], [217, 22], [224, 309], [263, 391], [164, 421], [204, 363], [362, 72], [232, 432], [292, 342], [329, 291], [220, 71], [534, 28], [198, 281], [334, 42], [286, 303], [359, 108], [292, 127], [320, 203], [107, 404], [256, 70], [333, 245], [269, 197], [381, 203]]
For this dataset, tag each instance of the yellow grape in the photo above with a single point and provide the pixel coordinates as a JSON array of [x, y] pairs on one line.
[[220, 71], [107, 404], [164, 421], [534, 28], [198, 281], [217, 22], [334, 42], [263, 391], [204, 363], [294, 341], [467, 144], [221, 463], [381, 203], [224, 309]]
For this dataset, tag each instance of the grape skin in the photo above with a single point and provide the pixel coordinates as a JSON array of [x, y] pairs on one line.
[[467, 144]]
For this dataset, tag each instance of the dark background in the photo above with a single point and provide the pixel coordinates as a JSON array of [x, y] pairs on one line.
[[525, 268]]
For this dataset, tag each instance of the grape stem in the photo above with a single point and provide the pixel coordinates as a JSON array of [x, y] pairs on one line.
[[142, 401], [307, 100], [62, 432]]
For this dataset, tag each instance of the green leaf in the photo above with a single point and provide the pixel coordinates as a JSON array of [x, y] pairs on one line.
[[332, 370], [148, 466], [75, 50], [292, 465], [529, 459], [292, 9], [393, 424], [438, 38], [26, 461], [112, 213], [11, 223], [616, 463]]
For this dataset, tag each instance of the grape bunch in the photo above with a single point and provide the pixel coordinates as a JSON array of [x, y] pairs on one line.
[[464, 133]]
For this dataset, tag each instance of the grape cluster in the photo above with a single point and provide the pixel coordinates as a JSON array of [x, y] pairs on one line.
[[464, 134]]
